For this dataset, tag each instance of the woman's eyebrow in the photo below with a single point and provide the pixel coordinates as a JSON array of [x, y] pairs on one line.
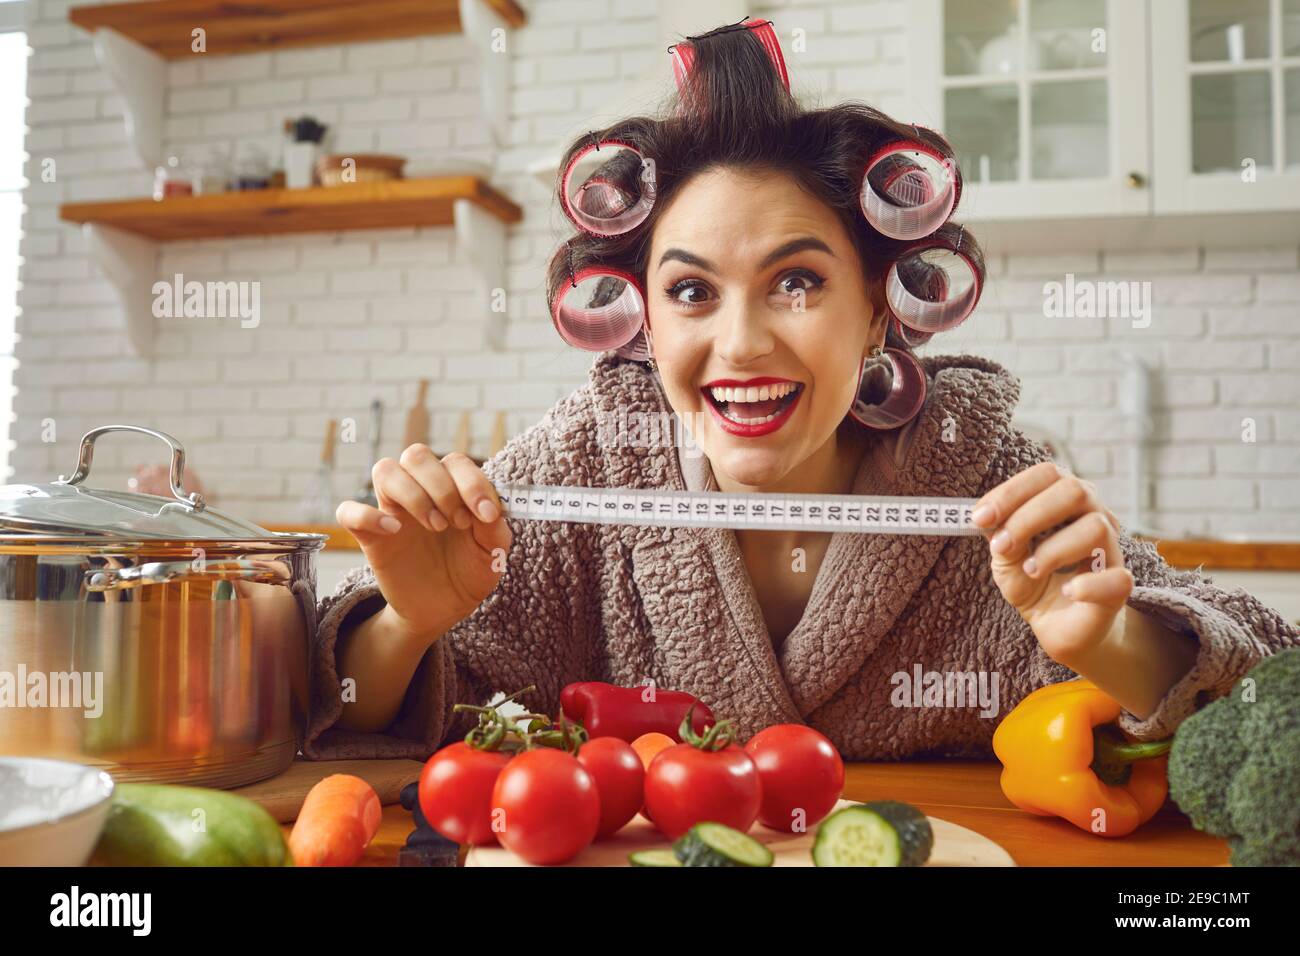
[[776, 255]]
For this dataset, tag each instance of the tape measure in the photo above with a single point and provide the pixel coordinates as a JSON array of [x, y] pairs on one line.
[[664, 507]]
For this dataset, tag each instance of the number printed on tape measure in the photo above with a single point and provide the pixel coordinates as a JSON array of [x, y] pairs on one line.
[[666, 507]]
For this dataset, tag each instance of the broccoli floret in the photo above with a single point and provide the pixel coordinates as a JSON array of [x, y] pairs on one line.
[[1234, 767]]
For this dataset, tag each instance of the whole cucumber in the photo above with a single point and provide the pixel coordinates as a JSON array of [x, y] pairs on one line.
[[165, 825]]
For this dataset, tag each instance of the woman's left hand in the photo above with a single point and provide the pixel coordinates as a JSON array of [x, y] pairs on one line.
[[1069, 612]]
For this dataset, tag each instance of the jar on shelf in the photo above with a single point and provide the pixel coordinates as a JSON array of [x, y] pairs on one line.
[[171, 179], [211, 175], [252, 171]]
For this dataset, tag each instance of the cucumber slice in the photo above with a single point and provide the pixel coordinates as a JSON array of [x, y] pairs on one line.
[[654, 858], [884, 833], [715, 844]]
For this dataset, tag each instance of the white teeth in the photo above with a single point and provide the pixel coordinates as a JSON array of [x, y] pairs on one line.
[[753, 394]]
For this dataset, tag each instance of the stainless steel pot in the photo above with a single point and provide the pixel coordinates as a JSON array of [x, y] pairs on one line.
[[158, 638]]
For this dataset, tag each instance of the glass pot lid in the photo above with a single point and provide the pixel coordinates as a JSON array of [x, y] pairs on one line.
[[68, 507]]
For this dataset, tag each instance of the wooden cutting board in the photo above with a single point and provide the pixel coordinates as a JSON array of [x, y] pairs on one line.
[[953, 846], [283, 795]]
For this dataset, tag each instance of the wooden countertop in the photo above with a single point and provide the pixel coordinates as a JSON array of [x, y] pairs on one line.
[[1180, 553], [965, 792]]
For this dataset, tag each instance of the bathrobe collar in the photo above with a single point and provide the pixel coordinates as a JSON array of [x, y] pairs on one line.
[[865, 580]]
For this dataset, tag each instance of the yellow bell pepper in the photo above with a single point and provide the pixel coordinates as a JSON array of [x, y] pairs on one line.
[[1062, 755]]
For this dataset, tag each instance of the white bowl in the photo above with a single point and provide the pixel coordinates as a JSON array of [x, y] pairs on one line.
[[51, 811]]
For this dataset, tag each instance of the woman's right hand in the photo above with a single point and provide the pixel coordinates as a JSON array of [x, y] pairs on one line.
[[433, 541]]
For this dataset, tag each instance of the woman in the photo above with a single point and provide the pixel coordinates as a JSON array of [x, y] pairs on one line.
[[758, 264]]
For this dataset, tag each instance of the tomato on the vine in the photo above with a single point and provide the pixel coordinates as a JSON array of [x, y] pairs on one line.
[[706, 778], [620, 780], [456, 792], [545, 806], [802, 776]]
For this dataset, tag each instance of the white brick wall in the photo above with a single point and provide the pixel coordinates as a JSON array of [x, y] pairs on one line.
[[350, 317]]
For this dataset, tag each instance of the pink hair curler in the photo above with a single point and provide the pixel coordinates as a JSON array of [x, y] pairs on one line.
[[891, 390], [638, 350], [600, 309], [683, 52], [909, 190], [911, 338], [608, 188], [932, 288]]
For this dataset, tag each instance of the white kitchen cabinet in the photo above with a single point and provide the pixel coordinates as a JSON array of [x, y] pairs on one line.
[[1225, 85], [1158, 121]]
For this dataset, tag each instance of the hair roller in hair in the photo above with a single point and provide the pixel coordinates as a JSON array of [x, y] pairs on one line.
[[608, 188], [910, 337], [908, 190], [891, 390], [599, 308], [683, 52], [933, 287], [638, 350]]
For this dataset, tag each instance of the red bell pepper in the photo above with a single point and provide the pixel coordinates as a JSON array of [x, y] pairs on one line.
[[628, 712]]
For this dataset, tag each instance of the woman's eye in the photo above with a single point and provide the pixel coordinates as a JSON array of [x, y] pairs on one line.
[[797, 283], [688, 293]]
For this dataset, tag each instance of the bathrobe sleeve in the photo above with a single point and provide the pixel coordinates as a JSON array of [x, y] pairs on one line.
[[534, 628], [1233, 631]]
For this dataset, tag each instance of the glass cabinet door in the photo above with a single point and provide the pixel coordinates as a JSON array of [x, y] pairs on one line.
[[1044, 101], [1226, 89]]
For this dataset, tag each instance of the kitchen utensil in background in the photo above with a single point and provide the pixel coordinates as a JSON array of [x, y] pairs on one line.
[[367, 493], [319, 503], [51, 811], [342, 169], [498, 439], [463, 439], [178, 636], [417, 419]]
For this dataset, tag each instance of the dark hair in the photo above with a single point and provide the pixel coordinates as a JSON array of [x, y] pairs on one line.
[[735, 111]]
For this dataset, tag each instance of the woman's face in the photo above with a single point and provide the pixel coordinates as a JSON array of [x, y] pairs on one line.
[[751, 278]]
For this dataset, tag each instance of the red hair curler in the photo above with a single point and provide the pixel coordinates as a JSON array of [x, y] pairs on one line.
[[891, 389], [933, 287], [608, 188], [599, 308], [683, 53], [909, 189]]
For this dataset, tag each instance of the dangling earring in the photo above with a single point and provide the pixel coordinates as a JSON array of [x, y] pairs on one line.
[[891, 388]]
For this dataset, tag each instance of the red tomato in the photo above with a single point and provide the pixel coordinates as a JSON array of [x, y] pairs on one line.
[[619, 777], [547, 805], [686, 785], [802, 776], [456, 792]]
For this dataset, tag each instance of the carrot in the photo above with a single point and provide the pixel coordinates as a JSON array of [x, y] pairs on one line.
[[337, 821]]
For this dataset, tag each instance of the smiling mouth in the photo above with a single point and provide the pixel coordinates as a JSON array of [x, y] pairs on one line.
[[753, 406]]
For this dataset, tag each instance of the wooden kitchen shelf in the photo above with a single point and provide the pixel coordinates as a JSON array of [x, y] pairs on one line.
[[247, 27], [264, 212], [122, 235]]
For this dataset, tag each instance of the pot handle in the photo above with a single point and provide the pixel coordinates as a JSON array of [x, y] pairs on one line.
[[87, 452], [171, 572]]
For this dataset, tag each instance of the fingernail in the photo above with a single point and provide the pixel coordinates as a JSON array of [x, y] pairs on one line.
[[982, 515], [1030, 566], [463, 518], [487, 510], [437, 520], [390, 524], [1001, 541], [1068, 589]]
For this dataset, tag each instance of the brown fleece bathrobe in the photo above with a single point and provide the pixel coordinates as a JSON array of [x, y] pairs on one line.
[[627, 604]]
